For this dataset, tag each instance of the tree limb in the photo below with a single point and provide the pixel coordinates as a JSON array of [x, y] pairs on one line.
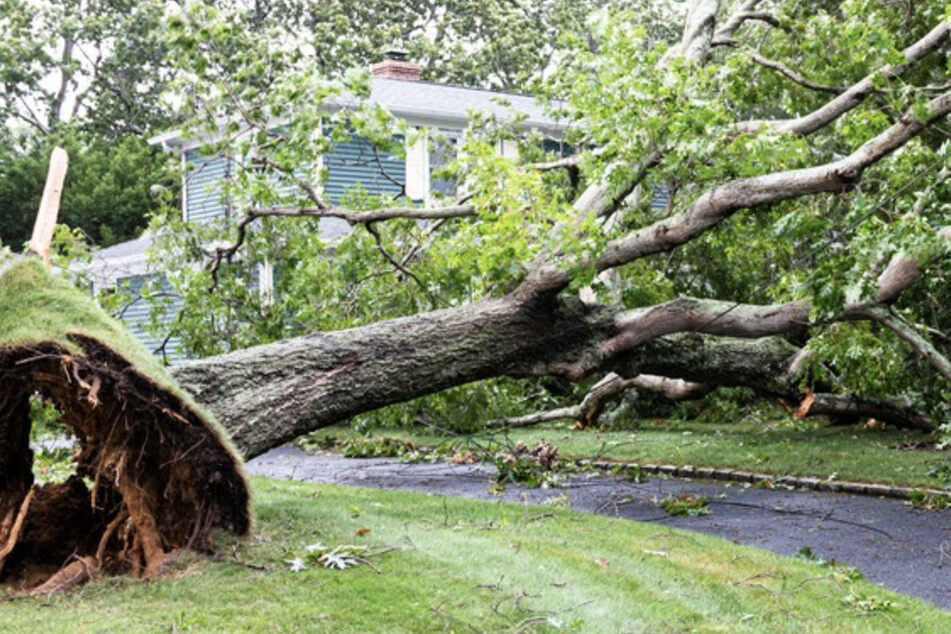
[[855, 94], [793, 75], [909, 333], [723, 200], [352, 216]]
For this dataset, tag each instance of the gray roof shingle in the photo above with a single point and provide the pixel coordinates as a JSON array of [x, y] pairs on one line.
[[125, 249], [452, 104]]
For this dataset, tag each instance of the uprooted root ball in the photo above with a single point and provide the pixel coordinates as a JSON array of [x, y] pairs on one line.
[[152, 474]]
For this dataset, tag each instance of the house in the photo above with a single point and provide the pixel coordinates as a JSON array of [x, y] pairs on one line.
[[441, 110]]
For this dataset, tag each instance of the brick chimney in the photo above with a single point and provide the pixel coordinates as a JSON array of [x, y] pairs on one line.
[[395, 66]]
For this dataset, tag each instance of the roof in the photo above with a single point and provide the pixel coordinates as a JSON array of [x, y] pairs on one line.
[[433, 103], [125, 249]]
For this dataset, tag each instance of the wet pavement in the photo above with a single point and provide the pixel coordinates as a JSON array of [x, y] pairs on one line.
[[891, 543]]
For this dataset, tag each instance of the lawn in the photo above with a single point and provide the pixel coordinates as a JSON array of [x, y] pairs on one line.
[[467, 565], [807, 449]]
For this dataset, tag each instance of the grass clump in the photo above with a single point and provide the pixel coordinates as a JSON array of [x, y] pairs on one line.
[[685, 504], [924, 501]]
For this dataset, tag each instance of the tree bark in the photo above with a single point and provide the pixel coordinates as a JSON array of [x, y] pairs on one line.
[[271, 394]]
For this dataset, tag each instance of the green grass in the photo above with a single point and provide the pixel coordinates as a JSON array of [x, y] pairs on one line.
[[847, 453], [469, 565]]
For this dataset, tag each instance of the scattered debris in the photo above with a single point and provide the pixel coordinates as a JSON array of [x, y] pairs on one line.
[[685, 504]]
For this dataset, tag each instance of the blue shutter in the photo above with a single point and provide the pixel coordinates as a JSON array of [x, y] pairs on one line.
[[203, 178], [661, 197], [354, 161]]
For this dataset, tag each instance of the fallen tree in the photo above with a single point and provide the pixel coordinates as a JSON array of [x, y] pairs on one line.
[[273, 393], [521, 317]]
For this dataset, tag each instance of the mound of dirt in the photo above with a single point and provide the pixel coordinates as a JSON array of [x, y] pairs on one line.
[[154, 473]]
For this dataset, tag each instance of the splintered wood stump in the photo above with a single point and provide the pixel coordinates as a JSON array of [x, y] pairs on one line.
[[153, 472]]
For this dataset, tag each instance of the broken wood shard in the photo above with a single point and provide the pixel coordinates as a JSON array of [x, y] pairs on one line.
[[46, 217]]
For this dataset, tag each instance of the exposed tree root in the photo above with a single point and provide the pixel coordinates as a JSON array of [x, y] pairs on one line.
[[152, 477], [12, 535], [72, 576]]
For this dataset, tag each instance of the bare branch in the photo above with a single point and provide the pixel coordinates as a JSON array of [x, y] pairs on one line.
[[355, 217], [610, 387], [794, 76], [564, 413]]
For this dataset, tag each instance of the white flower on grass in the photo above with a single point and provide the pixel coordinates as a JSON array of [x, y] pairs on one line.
[[316, 548], [297, 564]]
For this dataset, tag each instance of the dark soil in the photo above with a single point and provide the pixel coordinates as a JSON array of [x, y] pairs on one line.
[[159, 477], [890, 542]]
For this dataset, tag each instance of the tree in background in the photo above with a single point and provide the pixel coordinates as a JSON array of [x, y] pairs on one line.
[[87, 76], [111, 187], [97, 72], [96, 65]]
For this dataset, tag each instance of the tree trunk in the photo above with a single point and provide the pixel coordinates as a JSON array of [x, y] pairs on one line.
[[271, 394], [268, 395]]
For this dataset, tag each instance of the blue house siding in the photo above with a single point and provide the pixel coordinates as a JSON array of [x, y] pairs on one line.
[[138, 315], [347, 164], [203, 197], [353, 162]]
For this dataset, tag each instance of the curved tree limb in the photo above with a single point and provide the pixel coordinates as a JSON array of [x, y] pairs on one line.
[[793, 75], [610, 387], [855, 94], [352, 216], [729, 27], [722, 201]]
